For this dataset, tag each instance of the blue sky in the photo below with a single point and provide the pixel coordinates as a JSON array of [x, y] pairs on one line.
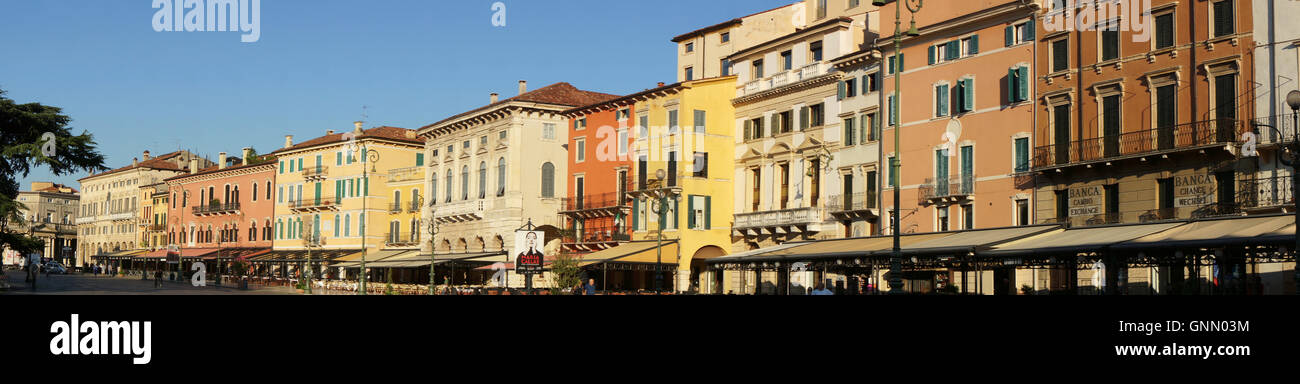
[[412, 62]]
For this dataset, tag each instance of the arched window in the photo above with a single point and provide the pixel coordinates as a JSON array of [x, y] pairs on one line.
[[397, 200], [394, 232], [433, 188], [548, 180], [464, 182], [337, 226], [315, 227], [482, 179], [347, 225], [415, 230], [501, 177], [448, 185], [254, 191], [279, 229], [268, 190]]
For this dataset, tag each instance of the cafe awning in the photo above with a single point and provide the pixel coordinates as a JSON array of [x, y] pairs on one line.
[[295, 256], [1285, 235], [970, 241], [633, 251], [1077, 240], [415, 259], [1212, 233], [120, 255]]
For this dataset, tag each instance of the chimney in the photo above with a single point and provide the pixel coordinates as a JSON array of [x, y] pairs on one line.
[[146, 156], [194, 165], [661, 85], [523, 87], [221, 160], [494, 98], [329, 132], [359, 130], [135, 161], [288, 141], [248, 152]]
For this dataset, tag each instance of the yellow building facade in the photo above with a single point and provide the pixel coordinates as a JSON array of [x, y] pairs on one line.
[[351, 189], [684, 150]]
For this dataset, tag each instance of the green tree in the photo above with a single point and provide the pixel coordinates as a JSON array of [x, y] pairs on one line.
[[566, 273], [24, 129]]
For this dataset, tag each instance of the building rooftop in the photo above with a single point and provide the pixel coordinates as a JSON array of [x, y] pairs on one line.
[[383, 133], [165, 162], [561, 94]]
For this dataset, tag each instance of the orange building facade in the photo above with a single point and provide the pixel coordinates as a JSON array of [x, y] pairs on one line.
[[966, 114], [597, 209], [223, 211], [1142, 126]]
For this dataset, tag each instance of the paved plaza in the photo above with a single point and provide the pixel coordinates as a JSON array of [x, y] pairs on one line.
[[81, 284]]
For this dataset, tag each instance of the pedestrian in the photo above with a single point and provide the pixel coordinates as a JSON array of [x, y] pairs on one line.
[[822, 291], [591, 287], [157, 278]]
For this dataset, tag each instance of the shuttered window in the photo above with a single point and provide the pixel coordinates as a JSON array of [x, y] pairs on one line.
[[1165, 30], [1223, 18]]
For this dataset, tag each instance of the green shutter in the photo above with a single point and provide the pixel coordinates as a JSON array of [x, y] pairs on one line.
[[968, 95], [902, 62], [974, 44], [690, 212], [866, 82], [749, 126], [865, 126], [1022, 86], [1030, 29], [419, 159], [953, 51], [1010, 35], [1022, 155], [930, 55], [636, 213], [890, 60], [677, 210], [708, 212], [848, 131], [366, 187], [338, 158], [941, 99], [803, 118], [893, 112], [1011, 85], [840, 90]]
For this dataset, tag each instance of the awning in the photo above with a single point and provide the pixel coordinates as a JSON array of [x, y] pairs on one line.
[[373, 260], [1078, 240], [120, 255], [751, 253], [1285, 235], [415, 259], [626, 250], [839, 248], [971, 240], [317, 256], [1212, 233]]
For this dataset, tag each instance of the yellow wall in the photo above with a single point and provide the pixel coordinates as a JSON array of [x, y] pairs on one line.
[[392, 156], [714, 97]]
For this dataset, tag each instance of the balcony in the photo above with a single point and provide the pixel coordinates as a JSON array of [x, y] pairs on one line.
[[216, 209], [593, 239], [949, 190], [854, 206], [797, 220], [784, 78], [598, 205], [319, 204], [85, 220], [398, 239], [406, 174], [413, 207], [319, 172], [461, 212], [1181, 137], [395, 207], [1105, 219], [1284, 131]]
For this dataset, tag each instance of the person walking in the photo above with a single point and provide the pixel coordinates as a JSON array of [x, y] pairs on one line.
[[591, 287], [157, 278]]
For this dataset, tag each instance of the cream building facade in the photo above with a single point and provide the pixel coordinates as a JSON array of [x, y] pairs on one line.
[[702, 54], [496, 168], [50, 215], [107, 219]]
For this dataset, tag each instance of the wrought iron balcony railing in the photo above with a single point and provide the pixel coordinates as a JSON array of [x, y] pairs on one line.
[[604, 234], [1138, 143], [319, 171], [397, 239], [858, 201], [216, 209], [952, 187], [314, 204]]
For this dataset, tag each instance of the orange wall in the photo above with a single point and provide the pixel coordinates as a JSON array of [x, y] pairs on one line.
[[261, 211]]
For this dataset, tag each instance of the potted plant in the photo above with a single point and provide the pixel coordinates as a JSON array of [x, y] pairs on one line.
[[239, 268], [1026, 290]]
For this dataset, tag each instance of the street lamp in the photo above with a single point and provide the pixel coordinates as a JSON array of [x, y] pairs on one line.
[[896, 257], [662, 194], [432, 229], [310, 239], [368, 159], [1293, 101]]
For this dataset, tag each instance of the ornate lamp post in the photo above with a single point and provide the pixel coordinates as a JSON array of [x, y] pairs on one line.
[[1293, 101], [661, 195], [432, 228], [310, 239], [368, 159], [896, 257]]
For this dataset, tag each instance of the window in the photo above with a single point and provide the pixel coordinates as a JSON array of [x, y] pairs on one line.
[[254, 191], [1165, 187], [787, 60], [944, 52], [690, 73], [968, 216], [941, 100], [482, 142], [970, 45], [965, 95], [850, 134], [643, 128], [464, 182], [893, 174], [893, 110], [548, 131], [726, 67], [1061, 133], [725, 37], [756, 189], [1019, 33], [449, 184], [501, 177], [821, 9], [622, 143], [967, 181], [701, 165], [1112, 202], [785, 186], [754, 129], [464, 147], [1022, 212], [899, 66], [1110, 125], [580, 149], [1022, 154], [871, 82], [1223, 18], [699, 118], [482, 179], [1062, 206], [548, 180], [783, 122], [1225, 98], [1109, 43], [690, 47], [942, 221], [672, 122], [817, 115], [1017, 85], [672, 169], [1060, 55], [433, 188], [851, 88], [419, 159], [815, 51], [1164, 30], [699, 212], [873, 122]]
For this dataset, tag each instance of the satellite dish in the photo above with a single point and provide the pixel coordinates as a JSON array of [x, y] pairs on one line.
[[950, 137]]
